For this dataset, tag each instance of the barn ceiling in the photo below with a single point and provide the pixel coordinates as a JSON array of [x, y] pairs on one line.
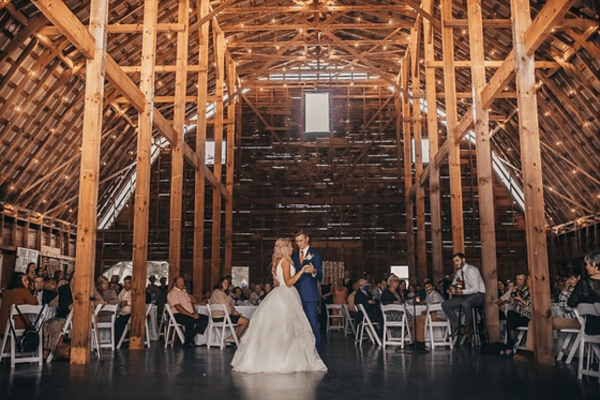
[[42, 84]]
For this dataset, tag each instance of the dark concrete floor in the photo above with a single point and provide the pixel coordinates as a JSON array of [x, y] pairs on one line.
[[367, 373]]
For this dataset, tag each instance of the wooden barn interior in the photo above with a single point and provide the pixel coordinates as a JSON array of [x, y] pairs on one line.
[[175, 130]]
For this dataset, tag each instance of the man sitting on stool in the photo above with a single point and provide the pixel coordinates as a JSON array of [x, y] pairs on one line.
[[185, 313], [466, 293]]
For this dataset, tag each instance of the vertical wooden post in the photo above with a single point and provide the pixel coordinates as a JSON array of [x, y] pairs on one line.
[[432, 133], [88, 187], [176, 206], [417, 134], [485, 173], [410, 234], [537, 251], [219, 52], [458, 238], [231, 111], [199, 196], [142, 187]]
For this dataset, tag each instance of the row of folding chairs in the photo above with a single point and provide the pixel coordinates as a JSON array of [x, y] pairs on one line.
[[37, 316], [437, 332], [216, 331]]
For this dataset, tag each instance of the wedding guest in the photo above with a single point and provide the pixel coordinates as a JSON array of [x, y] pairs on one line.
[[52, 327], [348, 282], [30, 273], [364, 297], [402, 290], [59, 275], [340, 296], [521, 315], [256, 294], [185, 313], [114, 283], [268, 288], [103, 294], [42, 295], [391, 295], [351, 304], [411, 293], [587, 290], [433, 297], [17, 292], [220, 297], [124, 308], [566, 318], [379, 289]]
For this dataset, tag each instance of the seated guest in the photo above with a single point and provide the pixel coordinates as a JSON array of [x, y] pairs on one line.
[[17, 292], [42, 295], [255, 295], [124, 308], [184, 311], [220, 297], [391, 295], [378, 291], [268, 288], [238, 296], [153, 291], [364, 297], [114, 283], [466, 293], [351, 297], [348, 282], [521, 315], [411, 294], [566, 318], [402, 290], [103, 294], [433, 297], [340, 296], [30, 273], [587, 290], [53, 326]]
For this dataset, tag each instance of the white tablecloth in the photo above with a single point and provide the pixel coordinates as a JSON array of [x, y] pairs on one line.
[[245, 311]]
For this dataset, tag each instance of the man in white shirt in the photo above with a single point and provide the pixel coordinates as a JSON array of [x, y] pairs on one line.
[[466, 293], [124, 308]]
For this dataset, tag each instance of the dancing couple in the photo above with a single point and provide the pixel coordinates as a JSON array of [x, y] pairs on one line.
[[284, 336]]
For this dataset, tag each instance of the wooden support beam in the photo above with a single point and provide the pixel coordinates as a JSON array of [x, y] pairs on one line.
[[485, 172], [432, 133], [88, 187], [176, 198], [537, 251], [418, 151], [142, 186], [231, 110], [203, 8], [120, 28], [408, 179], [458, 240], [219, 52]]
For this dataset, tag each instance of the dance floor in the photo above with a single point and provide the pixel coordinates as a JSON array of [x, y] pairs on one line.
[[367, 373]]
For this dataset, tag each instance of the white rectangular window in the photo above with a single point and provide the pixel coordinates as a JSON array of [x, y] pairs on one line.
[[316, 112], [209, 153], [401, 271], [424, 150]]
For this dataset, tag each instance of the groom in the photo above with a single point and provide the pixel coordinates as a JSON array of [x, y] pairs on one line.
[[307, 284]]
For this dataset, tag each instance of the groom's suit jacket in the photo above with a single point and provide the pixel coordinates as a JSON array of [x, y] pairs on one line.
[[307, 284]]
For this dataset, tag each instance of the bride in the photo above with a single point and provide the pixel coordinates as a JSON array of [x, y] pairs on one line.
[[280, 338]]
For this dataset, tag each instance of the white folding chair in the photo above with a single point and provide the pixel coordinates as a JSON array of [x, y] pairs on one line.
[[106, 329], [521, 339], [339, 317], [570, 335], [172, 327], [126, 330], [367, 325], [223, 325], [64, 332], [348, 321], [388, 339], [441, 328], [35, 314], [589, 345]]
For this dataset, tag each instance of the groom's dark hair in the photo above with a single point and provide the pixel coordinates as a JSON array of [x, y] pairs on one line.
[[301, 232]]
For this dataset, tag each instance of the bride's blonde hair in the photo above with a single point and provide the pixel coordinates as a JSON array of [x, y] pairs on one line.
[[281, 250]]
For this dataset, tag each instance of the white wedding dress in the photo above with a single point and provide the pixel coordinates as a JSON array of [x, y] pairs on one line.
[[279, 338]]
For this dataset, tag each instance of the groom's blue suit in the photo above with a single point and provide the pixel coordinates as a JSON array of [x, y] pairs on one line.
[[309, 292]]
